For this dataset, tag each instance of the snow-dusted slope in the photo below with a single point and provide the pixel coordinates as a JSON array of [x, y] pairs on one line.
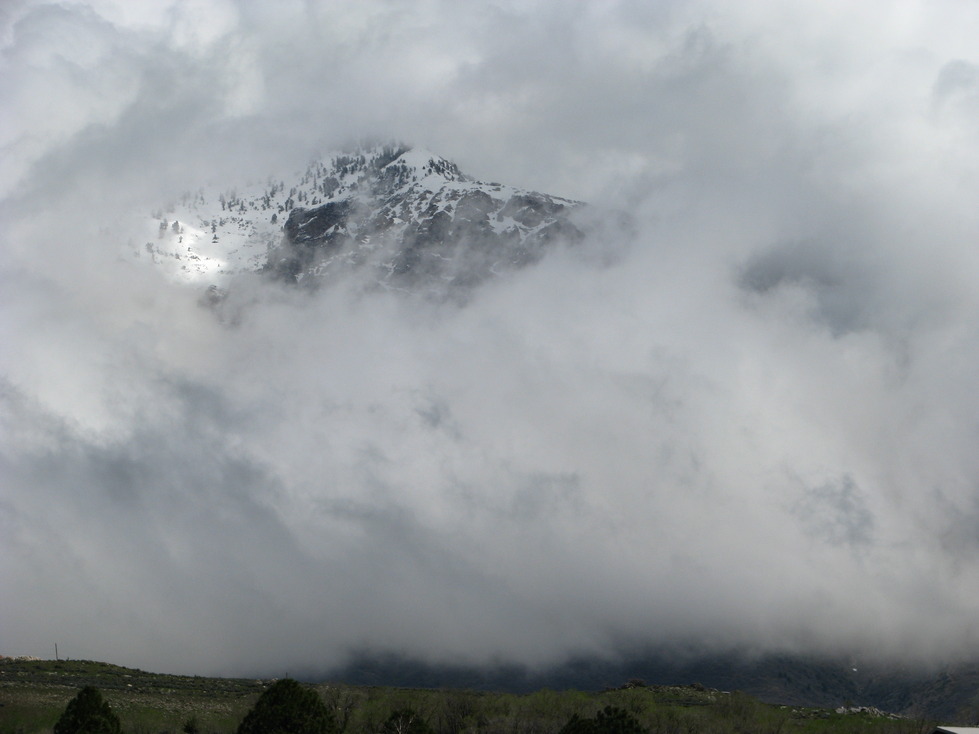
[[405, 217]]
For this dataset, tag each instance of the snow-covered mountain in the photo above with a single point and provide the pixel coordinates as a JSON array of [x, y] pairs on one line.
[[404, 217]]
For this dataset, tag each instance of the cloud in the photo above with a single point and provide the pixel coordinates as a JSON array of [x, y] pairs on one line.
[[753, 427]]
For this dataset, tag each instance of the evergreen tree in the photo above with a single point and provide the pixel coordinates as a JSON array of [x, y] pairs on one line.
[[288, 708], [87, 713]]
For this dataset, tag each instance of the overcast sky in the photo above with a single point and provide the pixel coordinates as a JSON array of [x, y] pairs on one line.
[[755, 424]]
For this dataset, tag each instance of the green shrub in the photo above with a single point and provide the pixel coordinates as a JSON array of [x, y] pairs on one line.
[[87, 713], [610, 720], [288, 708]]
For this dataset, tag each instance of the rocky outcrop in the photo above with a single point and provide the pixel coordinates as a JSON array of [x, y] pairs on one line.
[[410, 219], [395, 216]]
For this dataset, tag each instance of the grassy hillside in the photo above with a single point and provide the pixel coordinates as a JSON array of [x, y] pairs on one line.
[[34, 693]]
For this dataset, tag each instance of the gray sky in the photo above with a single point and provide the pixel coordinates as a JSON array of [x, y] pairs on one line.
[[752, 425]]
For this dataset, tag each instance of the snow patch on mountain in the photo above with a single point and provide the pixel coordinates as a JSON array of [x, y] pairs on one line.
[[401, 210]]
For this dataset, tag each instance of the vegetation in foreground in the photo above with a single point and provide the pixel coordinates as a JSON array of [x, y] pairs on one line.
[[35, 697], [88, 713]]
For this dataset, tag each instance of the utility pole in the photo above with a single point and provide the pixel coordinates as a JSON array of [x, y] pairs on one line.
[[56, 651]]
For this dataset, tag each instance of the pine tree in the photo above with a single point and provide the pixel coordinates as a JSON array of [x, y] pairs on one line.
[[288, 708], [87, 713]]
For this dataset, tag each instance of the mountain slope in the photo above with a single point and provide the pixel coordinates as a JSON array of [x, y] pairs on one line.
[[405, 218], [417, 222], [950, 693]]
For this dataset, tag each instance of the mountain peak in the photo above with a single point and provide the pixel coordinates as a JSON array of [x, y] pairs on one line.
[[405, 216]]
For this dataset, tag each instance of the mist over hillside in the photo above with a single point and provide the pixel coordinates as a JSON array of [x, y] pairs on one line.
[[745, 424]]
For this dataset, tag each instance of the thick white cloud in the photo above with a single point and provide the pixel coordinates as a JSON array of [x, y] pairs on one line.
[[753, 425]]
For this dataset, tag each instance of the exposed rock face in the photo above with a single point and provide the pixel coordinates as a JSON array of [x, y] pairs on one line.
[[394, 216], [413, 220]]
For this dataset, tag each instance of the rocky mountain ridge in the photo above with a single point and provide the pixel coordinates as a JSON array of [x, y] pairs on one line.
[[404, 217]]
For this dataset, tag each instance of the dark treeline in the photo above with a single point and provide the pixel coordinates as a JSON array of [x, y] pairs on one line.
[[289, 707]]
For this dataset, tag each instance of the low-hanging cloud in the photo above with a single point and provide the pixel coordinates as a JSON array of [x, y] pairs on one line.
[[750, 426]]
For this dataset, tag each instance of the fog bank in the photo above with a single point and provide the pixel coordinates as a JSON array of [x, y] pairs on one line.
[[751, 426]]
